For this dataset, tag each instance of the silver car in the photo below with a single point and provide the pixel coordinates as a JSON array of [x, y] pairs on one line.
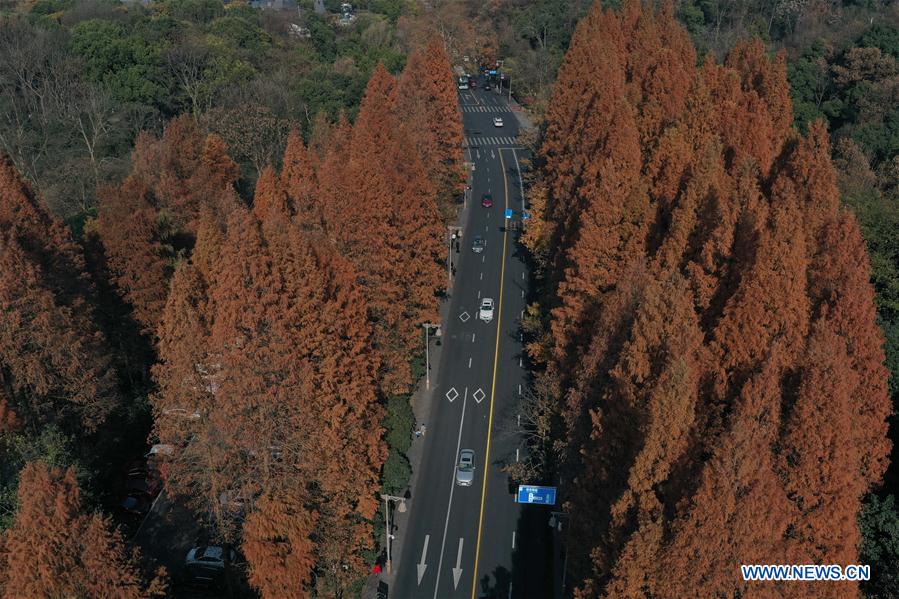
[[465, 468], [477, 244]]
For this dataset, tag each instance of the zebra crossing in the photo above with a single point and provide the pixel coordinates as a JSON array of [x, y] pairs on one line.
[[479, 141], [483, 108]]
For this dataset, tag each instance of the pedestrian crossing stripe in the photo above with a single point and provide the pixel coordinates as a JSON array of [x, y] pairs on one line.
[[478, 108], [490, 141]]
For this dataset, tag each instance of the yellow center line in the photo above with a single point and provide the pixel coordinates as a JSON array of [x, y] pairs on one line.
[[499, 320]]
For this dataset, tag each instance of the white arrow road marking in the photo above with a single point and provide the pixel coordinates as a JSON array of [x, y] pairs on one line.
[[457, 571], [452, 487], [422, 566]]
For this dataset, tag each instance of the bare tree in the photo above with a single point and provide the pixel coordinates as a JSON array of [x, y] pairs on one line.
[[188, 62]]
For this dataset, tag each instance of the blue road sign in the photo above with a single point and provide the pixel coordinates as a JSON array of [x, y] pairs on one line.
[[537, 495], [525, 215], [492, 72], [508, 213]]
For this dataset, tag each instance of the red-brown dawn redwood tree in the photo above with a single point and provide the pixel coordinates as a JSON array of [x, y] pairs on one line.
[[153, 215], [428, 106], [278, 544], [272, 348], [300, 181], [768, 445], [389, 228], [54, 362], [53, 549]]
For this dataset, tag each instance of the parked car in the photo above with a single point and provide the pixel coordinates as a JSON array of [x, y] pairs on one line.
[[487, 87], [487, 200], [477, 244], [210, 556], [485, 313], [497, 121], [206, 566], [160, 449], [465, 468]]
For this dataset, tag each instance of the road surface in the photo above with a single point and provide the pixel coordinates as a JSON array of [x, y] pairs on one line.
[[475, 542]]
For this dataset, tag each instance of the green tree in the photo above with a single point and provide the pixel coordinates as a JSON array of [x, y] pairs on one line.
[[879, 523]]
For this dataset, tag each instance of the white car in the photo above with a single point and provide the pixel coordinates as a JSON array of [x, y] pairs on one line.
[[486, 311], [497, 121], [211, 556]]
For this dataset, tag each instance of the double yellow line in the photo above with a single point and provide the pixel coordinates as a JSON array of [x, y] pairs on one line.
[[499, 320]]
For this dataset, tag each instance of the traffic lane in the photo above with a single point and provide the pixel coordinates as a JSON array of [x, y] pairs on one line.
[[456, 552], [499, 568], [441, 507], [500, 536]]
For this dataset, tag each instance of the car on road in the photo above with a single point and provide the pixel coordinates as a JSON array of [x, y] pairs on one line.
[[486, 87], [477, 244], [485, 312], [463, 83], [465, 468], [487, 200], [497, 121]]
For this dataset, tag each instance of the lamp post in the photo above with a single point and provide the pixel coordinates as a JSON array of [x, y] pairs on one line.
[[401, 508], [449, 258]]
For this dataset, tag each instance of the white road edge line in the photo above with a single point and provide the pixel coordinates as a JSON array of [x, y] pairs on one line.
[[452, 487]]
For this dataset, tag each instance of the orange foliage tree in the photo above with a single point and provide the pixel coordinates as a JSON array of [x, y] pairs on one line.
[[713, 337], [267, 368], [53, 549], [427, 100], [150, 219], [381, 210], [54, 361]]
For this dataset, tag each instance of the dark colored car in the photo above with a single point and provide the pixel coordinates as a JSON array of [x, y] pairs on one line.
[[487, 200], [487, 87]]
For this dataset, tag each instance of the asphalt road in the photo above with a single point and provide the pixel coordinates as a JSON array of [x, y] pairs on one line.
[[476, 541]]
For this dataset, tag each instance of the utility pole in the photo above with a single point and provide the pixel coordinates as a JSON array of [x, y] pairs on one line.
[[401, 508]]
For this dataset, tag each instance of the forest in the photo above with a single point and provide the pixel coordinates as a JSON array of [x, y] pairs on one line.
[[220, 232]]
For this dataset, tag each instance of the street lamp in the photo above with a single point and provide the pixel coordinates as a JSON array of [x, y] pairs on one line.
[[401, 508], [427, 326]]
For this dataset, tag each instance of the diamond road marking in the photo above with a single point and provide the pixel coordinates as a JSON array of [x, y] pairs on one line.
[[452, 394], [479, 395], [464, 316]]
